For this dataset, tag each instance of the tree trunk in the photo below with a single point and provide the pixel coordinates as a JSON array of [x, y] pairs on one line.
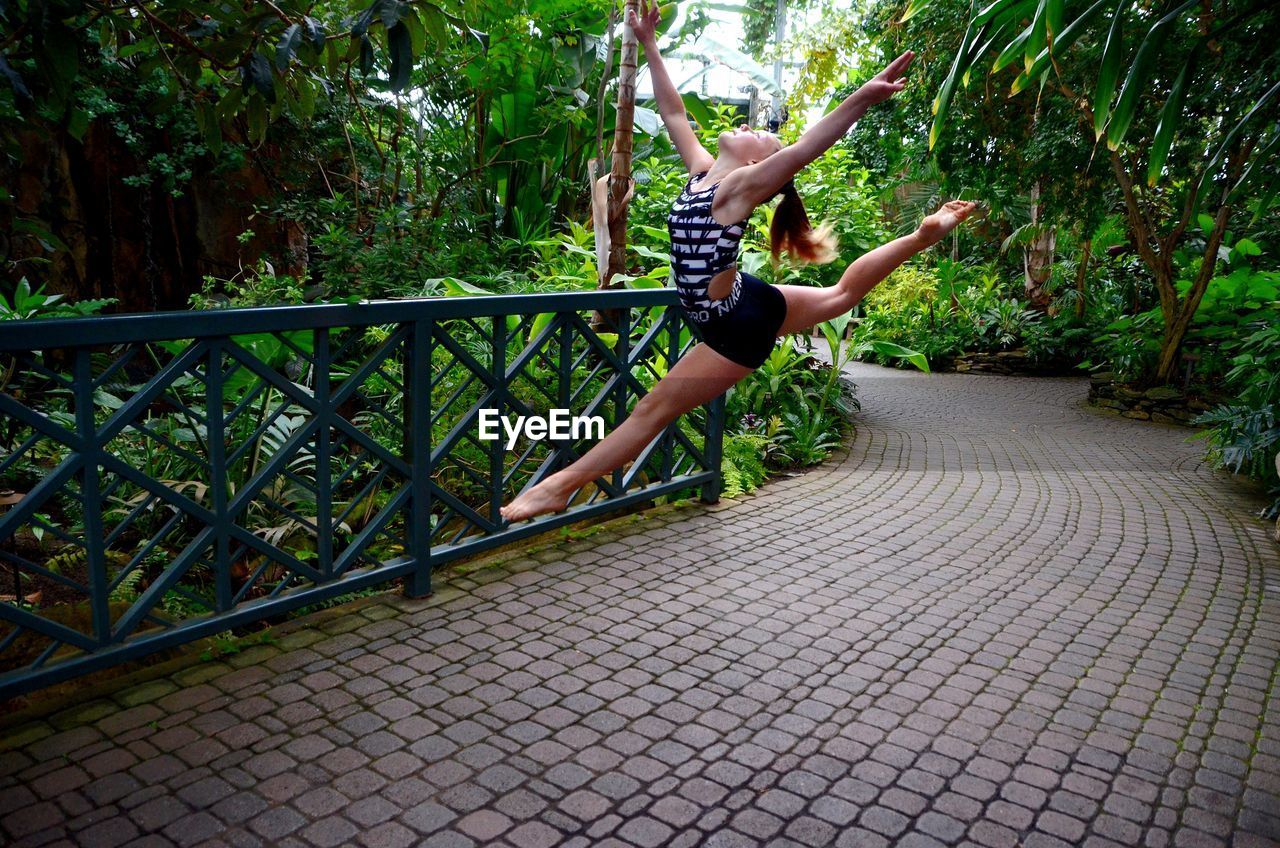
[[620, 176], [620, 183], [1082, 272], [1157, 254], [1037, 257], [1176, 330], [137, 244]]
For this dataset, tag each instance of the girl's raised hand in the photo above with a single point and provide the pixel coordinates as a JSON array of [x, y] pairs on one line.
[[888, 82], [646, 23]]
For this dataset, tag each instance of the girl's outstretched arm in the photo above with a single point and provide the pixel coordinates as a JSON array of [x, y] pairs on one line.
[[670, 106], [762, 181]]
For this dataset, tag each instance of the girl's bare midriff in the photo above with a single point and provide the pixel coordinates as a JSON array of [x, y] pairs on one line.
[[721, 284]]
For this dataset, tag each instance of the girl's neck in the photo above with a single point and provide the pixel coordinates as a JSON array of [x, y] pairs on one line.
[[720, 169]]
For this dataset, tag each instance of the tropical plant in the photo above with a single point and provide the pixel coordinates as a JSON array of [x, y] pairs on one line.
[[1244, 435], [1183, 53], [226, 60], [1007, 321], [26, 303], [1128, 346], [769, 383]]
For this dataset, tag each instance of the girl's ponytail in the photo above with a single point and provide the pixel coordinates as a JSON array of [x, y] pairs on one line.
[[791, 232]]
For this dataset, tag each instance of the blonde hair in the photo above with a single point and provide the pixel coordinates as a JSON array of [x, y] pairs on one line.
[[791, 231]]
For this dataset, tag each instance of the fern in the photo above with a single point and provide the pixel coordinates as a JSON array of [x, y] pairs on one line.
[[126, 590], [742, 462]]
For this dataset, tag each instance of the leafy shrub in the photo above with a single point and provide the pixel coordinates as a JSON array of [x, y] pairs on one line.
[[1244, 435], [1005, 323], [943, 312], [794, 401], [906, 287], [1060, 337], [1129, 345]]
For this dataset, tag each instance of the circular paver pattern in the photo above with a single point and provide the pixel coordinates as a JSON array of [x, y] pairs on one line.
[[999, 619]]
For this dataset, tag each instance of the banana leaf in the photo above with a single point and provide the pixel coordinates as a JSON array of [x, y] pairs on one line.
[[1061, 42], [1108, 72], [898, 351], [1139, 75], [1237, 129], [1170, 117], [1038, 38], [914, 8]]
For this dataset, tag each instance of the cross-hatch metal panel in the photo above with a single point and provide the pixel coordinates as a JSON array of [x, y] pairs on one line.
[[171, 476]]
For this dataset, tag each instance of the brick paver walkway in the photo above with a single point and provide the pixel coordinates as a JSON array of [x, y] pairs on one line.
[[1000, 619]]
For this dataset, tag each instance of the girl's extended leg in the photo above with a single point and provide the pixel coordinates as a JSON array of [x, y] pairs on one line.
[[699, 376], [810, 305]]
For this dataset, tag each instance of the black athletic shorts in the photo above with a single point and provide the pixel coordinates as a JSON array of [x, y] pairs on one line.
[[746, 334]]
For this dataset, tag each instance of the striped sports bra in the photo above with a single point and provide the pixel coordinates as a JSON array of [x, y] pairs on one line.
[[701, 247]]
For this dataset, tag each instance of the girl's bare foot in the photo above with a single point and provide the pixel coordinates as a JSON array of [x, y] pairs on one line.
[[547, 496], [936, 226]]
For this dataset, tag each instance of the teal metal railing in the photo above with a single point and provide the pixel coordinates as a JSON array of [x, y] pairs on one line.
[[171, 476]]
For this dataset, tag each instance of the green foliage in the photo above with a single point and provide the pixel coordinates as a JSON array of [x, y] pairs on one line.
[[259, 286], [1244, 435], [800, 405], [461, 124], [1165, 54], [942, 313], [807, 440], [742, 462], [226, 61], [127, 585], [1190, 136], [26, 303], [1128, 345], [539, 115], [1005, 322], [1062, 338], [996, 148], [907, 285]]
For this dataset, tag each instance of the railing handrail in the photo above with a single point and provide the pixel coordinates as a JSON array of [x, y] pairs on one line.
[[44, 333]]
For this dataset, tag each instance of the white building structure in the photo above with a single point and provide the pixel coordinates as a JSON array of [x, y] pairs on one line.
[[718, 75]]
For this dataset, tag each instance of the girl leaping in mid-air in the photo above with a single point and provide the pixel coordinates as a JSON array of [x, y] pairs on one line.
[[739, 315]]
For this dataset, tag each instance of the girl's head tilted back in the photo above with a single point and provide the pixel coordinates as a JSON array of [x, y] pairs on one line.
[[790, 230], [745, 146]]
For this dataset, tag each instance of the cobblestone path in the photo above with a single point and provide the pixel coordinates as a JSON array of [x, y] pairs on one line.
[[1000, 619]]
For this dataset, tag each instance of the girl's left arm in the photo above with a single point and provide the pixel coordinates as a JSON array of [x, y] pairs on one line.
[[763, 180]]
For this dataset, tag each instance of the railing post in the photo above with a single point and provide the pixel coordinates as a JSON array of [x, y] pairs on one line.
[[324, 455], [669, 317], [497, 446], [715, 447], [91, 492], [417, 412], [215, 426], [624, 356], [564, 375]]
